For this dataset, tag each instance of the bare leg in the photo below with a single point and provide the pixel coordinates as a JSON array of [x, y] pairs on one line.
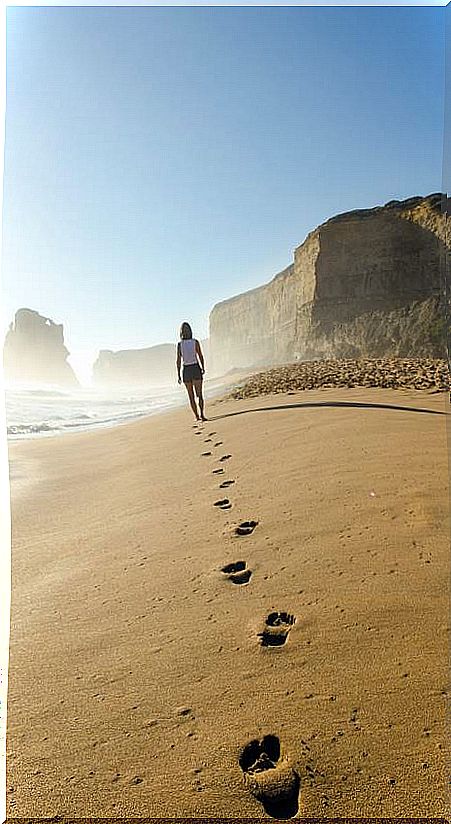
[[190, 390], [200, 398]]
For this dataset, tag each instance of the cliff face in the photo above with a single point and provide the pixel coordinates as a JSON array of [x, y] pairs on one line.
[[153, 366], [365, 283], [34, 351]]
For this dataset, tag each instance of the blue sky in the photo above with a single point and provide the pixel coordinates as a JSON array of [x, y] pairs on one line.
[[158, 160]]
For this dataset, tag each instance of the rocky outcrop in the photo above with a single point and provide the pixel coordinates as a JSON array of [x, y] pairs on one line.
[[153, 366], [367, 283], [34, 351], [380, 373]]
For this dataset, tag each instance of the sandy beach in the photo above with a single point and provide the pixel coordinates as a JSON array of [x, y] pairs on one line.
[[139, 670]]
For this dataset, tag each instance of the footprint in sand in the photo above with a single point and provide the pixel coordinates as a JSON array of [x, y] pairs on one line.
[[207, 440], [225, 484], [225, 458], [205, 454], [219, 443], [277, 627], [246, 528], [223, 504], [237, 572], [217, 471], [269, 777], [210, 434]]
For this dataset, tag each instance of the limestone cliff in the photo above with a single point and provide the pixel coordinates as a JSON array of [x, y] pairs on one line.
[[34, 351], [364, 283], [152, 366]]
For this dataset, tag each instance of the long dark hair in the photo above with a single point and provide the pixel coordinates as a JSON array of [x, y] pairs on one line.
[[186, 333]]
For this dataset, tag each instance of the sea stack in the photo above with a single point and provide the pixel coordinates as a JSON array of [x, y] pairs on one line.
[[34, 351]]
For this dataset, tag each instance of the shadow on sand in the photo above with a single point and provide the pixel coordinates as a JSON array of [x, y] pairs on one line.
[[329, 404]]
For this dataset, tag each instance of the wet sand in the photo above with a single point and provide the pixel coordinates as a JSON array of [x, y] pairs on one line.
[[140, 670]]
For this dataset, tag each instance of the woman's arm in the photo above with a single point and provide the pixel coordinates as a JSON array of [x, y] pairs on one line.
[[179, 362], [200, 356]]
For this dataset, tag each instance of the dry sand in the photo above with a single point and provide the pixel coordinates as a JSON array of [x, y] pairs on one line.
[[137, 672]]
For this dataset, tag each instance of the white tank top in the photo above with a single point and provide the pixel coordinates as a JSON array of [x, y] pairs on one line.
[[188, 349]]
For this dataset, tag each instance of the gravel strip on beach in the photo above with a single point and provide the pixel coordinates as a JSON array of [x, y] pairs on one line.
[[385, 373]]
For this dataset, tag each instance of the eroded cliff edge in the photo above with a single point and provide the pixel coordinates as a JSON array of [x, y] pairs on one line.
[[366, 283]]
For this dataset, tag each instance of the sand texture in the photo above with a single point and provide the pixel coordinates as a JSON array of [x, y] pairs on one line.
[[164, 664]]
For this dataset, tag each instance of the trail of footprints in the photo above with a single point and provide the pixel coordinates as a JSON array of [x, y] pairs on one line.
[[267, 773]]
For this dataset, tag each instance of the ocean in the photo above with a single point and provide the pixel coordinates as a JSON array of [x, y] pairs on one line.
[[42, 412]]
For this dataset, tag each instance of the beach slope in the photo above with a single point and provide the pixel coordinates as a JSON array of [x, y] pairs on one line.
[[140, 670]]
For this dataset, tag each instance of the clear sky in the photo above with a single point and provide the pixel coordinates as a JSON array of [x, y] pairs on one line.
[[158, 160]]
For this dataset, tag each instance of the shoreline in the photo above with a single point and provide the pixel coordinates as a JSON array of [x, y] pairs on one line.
[[400, 374], [152, 673], [212, 391], [18, 464]]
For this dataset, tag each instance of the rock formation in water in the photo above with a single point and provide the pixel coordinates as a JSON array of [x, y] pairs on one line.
[[367, 283], [34, 351], [130, 367], [153, 366]]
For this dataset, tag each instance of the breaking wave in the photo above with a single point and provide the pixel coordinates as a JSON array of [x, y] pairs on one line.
[[46, 411]]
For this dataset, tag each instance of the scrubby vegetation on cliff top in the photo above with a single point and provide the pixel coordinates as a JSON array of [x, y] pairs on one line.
[[385, 373]]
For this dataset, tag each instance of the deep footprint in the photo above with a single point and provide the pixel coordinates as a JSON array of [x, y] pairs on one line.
[[217, 471], [224, 504], [246, 528], [277, 627], [237, 572], [205, 454], [270, 778], [225, 458], [241, 577], [218, 444], [225, 484], [235, 566]]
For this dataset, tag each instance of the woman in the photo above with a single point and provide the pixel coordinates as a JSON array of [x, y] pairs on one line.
[[189, 351]]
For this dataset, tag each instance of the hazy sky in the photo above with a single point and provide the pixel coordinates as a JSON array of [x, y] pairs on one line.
[[159, 160]]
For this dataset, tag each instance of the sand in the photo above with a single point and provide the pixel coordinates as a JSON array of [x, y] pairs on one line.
[[140, 672]]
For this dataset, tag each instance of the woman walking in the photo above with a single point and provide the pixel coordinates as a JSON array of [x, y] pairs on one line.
[[190, 353]]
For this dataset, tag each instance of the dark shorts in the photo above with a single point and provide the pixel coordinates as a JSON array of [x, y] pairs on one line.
[[192, 373]]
